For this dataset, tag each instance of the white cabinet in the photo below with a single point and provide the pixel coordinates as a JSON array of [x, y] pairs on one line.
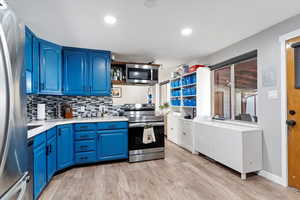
[[180, 131], [186, 137], [173, 128], [236, 146]]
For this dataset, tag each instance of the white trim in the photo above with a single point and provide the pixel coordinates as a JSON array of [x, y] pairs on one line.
[[272, 177], [284, 132]]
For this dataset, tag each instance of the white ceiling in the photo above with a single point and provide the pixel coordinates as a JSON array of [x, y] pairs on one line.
[[153, 32]]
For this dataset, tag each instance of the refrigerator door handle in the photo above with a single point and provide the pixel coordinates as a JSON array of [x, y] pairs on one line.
[[18, 188], [9, 102]]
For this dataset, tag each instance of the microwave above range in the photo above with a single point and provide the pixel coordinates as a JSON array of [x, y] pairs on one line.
[[142, 74]]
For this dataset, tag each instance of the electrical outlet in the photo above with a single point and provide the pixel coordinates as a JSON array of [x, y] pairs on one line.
[[82, 108], [101, 108]]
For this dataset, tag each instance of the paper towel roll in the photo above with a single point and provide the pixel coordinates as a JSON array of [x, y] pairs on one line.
[[41, 111]]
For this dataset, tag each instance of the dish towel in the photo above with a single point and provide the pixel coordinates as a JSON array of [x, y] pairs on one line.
[[148, 135]]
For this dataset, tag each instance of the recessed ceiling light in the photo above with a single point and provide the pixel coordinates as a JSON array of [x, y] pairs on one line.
[[186, 31], [110, 19]]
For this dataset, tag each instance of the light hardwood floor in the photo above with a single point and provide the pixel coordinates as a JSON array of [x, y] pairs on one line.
[[181, 176]]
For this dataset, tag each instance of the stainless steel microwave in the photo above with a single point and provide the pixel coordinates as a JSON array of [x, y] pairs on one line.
[[145, 74]]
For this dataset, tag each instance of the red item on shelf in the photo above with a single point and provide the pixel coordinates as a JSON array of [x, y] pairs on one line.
[[195, 67]]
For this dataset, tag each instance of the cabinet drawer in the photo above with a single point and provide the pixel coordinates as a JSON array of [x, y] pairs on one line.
[[187, 126], [112, 125], [51, 133], [85, 127], [86, 145], [85, 157], [86, 135], [39, 139]]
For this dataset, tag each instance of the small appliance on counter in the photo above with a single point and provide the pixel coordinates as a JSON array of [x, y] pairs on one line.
[[41, 111], [67, 111]]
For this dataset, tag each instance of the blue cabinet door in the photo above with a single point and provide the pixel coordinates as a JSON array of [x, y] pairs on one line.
[[75, 73], [50, 68], [112, 144], [51, 158], [65, 146], [28, 49], [39, 169], [28, 59], [99, 78], [36, 65]]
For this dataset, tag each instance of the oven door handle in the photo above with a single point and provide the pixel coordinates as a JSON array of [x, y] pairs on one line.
[[132, 125]]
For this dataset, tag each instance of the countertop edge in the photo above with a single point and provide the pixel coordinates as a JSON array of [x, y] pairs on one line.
[[46, 125]]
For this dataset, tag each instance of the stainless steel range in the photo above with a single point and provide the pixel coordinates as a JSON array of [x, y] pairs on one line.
[[142, 118]]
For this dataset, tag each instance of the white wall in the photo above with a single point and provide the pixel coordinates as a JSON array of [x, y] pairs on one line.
[[269, 113], [132, 94]]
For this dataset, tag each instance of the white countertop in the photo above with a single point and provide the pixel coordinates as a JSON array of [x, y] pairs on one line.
[[244, 127], [48, 124]]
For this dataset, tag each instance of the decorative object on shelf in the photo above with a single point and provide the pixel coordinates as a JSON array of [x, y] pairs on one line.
[[117, 74], [195, 67], [116, 92], [164, 108], [185, 68]]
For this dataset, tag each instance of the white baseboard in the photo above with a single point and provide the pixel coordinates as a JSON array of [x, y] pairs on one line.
[[272, 177]]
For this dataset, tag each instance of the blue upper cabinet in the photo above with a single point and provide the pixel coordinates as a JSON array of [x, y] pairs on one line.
[[53, 70], [65, 146], [31, 61], [28, 49], [75, 72], [100, 82], [50, 68], [36, 65], [28, 60], [86, 72]]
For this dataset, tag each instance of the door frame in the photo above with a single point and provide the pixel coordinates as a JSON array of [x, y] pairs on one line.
[[283, 90]]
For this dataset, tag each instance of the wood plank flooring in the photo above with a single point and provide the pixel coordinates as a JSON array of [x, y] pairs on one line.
[[181, 176]]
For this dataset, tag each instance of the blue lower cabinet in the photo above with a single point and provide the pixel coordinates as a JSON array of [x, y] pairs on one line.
[[39, 165], [61, 147], [65, 146], [112, 144], [51, 157], [85, 157]]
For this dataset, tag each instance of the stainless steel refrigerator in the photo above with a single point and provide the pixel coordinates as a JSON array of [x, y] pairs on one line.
[[14, 175]]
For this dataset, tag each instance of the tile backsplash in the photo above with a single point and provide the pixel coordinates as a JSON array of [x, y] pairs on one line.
[[91, 104]]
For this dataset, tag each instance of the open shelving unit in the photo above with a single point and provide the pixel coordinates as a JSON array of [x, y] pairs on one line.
[[184, 91]]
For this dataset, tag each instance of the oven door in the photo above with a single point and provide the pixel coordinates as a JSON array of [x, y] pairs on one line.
[[135, 136]]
